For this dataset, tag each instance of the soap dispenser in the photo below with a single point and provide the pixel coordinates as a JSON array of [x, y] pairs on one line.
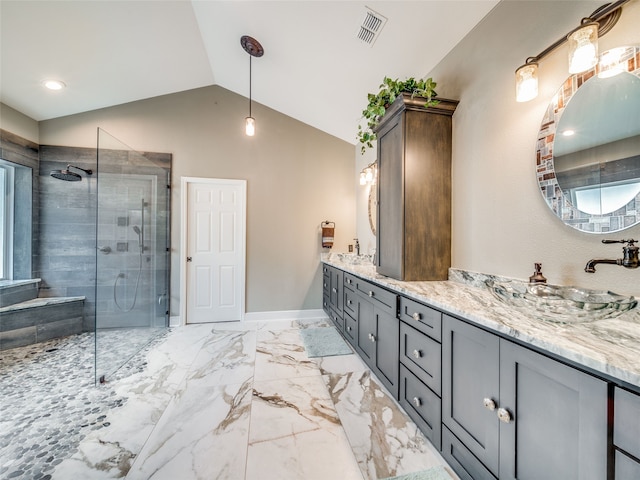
[[537, 276]]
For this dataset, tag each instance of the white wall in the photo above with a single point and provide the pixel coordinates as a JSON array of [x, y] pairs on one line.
[[501, 224], [297, 177]]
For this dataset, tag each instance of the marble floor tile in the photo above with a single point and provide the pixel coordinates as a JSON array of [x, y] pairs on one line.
[[202, 435], [281, 354], [385, 441]]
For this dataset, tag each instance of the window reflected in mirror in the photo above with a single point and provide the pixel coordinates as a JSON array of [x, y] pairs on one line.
[[588, 151]]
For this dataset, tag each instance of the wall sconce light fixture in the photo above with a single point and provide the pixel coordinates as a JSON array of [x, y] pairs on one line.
[[583, 49], [254, 49], [369, 174]]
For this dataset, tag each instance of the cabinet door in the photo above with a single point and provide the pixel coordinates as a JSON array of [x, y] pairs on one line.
[[390, 221], [366, 331], [559, 426], [387, 343], [336, 292], [470, 360]]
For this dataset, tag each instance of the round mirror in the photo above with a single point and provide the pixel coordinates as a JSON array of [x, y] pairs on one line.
[[373, 207], [588, 151]]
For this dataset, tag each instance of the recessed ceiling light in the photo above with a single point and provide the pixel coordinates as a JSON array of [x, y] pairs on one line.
[[53, 84], [568, 133]]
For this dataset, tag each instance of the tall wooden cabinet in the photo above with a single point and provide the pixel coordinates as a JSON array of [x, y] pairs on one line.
[[414, 190]]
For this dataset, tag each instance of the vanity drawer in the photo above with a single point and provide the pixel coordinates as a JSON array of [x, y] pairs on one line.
[[423, 406], [350, 328], [626, 423], [350, 302], [326, 280], [626, 467], [422, 355], [337, 320], [377, 294], [421, 317], [350, 281]]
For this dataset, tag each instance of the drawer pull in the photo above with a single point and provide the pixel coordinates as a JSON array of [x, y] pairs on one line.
[[417, 353], [370, 293], [416, 316], [417, 402], [489, 404], [504, 415]]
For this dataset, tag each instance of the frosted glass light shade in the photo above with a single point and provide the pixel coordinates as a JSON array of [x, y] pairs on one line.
[[363, 178], [527, 82], [583, 48], [250, 126]]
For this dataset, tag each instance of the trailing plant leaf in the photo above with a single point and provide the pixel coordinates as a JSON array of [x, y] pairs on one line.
[[378, 103]]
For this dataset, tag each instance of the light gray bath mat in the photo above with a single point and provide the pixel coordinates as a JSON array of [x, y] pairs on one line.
[[324, 342], [435, 473]]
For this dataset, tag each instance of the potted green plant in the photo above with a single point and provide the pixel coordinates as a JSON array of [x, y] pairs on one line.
[[389, 91]]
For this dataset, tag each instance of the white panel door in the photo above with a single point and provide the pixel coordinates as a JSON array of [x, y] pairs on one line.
[[215, 253]]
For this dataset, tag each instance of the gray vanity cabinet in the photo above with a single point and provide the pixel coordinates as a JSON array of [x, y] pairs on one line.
[[626, 426], [421, 366], [511, 413], [378, 332], [332, 295]]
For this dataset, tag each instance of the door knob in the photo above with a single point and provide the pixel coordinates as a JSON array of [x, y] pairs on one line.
[[504, 415], [489, 404]]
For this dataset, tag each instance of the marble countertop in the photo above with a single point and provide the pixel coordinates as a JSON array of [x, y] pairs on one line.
[[610, 347]]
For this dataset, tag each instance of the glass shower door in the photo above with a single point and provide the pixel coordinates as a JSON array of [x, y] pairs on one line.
[[132, 252]]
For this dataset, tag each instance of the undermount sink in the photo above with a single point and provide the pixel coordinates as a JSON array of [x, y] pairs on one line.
[[559, 303]]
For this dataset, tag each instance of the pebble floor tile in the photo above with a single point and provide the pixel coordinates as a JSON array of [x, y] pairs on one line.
[[49, 402]]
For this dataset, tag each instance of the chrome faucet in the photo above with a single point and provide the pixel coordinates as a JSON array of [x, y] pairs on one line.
[[357, 246], [629, 256]]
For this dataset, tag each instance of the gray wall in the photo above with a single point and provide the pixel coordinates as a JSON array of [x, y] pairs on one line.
[[297, 176]]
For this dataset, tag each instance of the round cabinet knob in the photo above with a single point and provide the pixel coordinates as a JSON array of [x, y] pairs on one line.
[[489, 404], [370, 293], [417, 353], [348, 328], [335, 290], [416, 316], [373, 337], [349, 302], [417, 402], [504, 415]]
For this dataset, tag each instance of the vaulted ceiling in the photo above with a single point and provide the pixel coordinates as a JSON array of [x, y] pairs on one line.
[[314, 69]]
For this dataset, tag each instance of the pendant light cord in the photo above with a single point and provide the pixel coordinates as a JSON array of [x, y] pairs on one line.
[[250, 85]]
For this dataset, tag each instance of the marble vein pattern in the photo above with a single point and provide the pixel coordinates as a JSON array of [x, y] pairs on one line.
[[231, 401], [610, 347]]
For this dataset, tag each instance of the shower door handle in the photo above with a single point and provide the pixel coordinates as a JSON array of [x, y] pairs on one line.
[[189, 259]]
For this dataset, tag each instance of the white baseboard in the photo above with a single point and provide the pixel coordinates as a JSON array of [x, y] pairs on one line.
[[284, 315]]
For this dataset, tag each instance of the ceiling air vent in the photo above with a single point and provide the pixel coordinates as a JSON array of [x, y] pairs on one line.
[[371, 26]]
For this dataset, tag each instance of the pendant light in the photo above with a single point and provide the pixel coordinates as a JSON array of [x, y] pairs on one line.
[[254, 49]]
